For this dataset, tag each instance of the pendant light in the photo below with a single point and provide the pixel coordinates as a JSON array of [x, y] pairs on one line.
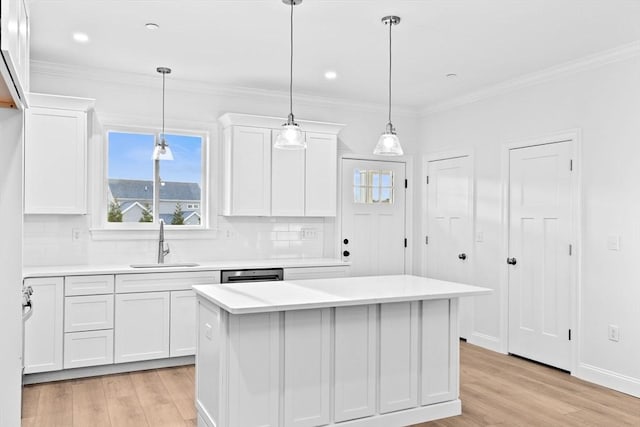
[[388, 143], [161, 150], [290, 136]]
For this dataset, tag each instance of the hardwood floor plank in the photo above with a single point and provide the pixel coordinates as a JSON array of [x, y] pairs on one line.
[[122, 402], [90, 406], [179, 383], [30, 396], [156, 402], [55, 405]]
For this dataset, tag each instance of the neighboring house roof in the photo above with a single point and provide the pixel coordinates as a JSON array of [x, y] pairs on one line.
[[123, 189], [125, 207], [167, 217]]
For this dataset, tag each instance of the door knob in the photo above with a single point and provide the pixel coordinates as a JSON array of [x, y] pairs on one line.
[[511, 261], [346, 253], [462, 256]]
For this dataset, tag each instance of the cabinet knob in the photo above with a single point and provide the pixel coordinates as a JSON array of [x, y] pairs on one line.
[[462, 256], [346, 253], [512, 261], [345, 241]]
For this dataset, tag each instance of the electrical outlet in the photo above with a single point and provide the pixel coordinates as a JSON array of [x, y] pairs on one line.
[[614, 333], [76, 234], [309, 233], [613, 242]]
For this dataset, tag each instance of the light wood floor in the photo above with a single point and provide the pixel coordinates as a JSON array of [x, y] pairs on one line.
[[496, 390]]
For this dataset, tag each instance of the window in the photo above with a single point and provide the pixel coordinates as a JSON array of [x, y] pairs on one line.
[[372, 186], [130, 179]]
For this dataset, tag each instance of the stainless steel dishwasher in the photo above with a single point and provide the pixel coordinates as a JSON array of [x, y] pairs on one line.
[[252, 275]]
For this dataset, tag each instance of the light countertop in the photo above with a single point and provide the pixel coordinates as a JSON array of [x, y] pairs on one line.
[[81, 270], [245, 298]]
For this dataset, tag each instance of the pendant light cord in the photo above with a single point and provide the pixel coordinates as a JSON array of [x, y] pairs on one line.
[[390, 25], [162, 141], [291, 66]]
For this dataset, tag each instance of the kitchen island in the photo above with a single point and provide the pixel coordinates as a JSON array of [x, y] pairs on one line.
[[361, 351]]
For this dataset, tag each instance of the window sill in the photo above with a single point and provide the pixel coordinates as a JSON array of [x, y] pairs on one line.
[[152, 234]]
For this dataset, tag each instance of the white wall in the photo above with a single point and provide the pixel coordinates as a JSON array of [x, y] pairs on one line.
[[10, 265], [48, 239], [604, 103]]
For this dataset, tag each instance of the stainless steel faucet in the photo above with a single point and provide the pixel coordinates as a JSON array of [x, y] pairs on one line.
[[161, 250]]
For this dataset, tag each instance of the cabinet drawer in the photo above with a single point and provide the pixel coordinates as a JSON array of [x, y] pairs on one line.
[[155, 282], [316, 272], [88, 313], [89, 285], [88, 348]]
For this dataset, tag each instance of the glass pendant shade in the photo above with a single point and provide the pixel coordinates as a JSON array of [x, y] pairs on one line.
[[162, 151], [388, 144], [290, 137]]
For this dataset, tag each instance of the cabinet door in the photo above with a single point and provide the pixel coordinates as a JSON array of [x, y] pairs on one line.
[[141, 326], [287, 181], [183, 323], [88, 348], [14, 39], [43, 330], [321, 169], [88, 313], [249, 159], [54, 161]]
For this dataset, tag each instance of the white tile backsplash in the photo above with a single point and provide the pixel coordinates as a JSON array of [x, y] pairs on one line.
[[50, 240]]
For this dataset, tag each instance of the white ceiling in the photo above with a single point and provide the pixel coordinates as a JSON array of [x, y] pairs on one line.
[[244, 43]]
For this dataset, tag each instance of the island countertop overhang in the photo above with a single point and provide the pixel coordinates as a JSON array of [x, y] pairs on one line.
[[264, 297]]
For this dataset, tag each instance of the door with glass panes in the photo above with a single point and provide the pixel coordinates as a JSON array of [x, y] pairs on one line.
[[373, 216]]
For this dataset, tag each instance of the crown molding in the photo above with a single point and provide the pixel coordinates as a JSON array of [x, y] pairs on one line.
[[53, 69], [618, 54]]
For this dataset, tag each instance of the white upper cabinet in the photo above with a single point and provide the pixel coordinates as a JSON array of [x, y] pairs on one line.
[[55, 161], [14, 48], [321, 174], [247, 169], [294, 183]]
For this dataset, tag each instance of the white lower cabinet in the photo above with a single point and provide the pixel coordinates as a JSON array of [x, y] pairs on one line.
[[43, 334], [88, 348], [182, 337], [141, 326], [88, 313]]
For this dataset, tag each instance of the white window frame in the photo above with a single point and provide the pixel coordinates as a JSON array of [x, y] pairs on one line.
[[101, 208]]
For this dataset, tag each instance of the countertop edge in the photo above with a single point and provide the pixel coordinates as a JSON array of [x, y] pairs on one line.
[[82, 270]]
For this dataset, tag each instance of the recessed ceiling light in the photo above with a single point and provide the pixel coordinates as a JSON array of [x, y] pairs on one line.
[[330, 75], [81, 37], [152, 26], [452, 75]]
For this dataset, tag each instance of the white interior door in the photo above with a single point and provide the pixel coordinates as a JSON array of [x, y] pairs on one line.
[[373, 216], [450, 227], [539, 254]]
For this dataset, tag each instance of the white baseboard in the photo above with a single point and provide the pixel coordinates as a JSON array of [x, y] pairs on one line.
[[402, 418], [486, 341], [610, 379], [94, 371]]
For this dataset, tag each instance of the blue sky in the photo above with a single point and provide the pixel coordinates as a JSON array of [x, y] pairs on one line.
[[130, 157]]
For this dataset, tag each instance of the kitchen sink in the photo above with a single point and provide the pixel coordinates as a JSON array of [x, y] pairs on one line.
[[175, 264]]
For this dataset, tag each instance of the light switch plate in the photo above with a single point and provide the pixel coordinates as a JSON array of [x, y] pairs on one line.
[[613, 242], [479, 236]]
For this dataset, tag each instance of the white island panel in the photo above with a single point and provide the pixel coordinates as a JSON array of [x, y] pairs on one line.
[[355, 362]]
